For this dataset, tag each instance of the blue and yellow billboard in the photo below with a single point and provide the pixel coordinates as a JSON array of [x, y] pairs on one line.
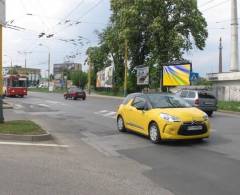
[[176, 75]]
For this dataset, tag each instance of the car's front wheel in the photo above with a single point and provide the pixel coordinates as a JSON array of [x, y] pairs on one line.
[[154, 133], [120, 124]]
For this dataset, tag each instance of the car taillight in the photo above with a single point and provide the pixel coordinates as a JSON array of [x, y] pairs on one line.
[[197, 102]]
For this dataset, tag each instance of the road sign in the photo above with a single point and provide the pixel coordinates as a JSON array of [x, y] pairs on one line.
[[194, 76], [2, 12]]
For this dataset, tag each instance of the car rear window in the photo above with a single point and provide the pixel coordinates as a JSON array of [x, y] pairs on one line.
[[205, 95], [191, 94]]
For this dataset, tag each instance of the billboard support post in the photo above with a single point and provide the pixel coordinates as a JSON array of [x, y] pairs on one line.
[[126, 68], [1, 75]]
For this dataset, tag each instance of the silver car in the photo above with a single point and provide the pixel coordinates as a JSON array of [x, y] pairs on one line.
[[204, 100]]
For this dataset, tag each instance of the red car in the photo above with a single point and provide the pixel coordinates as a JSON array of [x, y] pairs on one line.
[[75, 93]]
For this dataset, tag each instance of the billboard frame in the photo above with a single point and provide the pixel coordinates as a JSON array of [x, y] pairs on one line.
[[175, 63]]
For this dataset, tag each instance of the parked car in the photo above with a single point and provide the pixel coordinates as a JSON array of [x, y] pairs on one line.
[[162, 116], [201, 99], [75, 93]]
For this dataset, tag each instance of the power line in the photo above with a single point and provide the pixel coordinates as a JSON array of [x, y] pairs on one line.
[[223, 2], [82, 16], [208, 2]]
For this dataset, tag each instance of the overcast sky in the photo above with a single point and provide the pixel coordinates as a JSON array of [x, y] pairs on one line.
[[68, 19]]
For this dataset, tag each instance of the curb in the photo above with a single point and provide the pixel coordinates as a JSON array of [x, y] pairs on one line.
[[43, 137], [106, 96], [229, 112]]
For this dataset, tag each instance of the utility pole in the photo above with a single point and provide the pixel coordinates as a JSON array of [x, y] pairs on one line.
[[234, 37], [220, 56], [49, 58], [1, 74], [126, 67], [89, 75]]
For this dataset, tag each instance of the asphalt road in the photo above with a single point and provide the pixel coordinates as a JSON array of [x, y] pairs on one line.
[[99, 160]]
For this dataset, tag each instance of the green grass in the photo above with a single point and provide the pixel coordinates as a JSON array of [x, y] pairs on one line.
[[21, 127], [230, 106], [45, 90]]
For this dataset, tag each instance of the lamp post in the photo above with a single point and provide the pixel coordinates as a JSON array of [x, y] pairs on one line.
[[49, 61]]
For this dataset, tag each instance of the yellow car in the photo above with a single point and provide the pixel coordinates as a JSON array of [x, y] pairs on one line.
[[162, 116]]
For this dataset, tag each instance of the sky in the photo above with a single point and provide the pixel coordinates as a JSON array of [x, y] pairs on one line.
[[69, 19]]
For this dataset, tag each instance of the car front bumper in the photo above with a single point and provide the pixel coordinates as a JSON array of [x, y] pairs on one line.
[[178, 131]]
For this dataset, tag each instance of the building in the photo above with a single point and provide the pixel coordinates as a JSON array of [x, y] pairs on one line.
[[226, 85], [34, 74], [58, 69]]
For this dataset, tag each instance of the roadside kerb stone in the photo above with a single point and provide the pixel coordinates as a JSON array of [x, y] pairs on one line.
[[13, 137], [229, 112]]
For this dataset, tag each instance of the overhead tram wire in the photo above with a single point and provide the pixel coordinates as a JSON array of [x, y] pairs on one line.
[[82, 16], [208, 2], [221, 3]]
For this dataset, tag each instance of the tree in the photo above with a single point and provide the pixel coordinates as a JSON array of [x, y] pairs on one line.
[[79, 78], [158, 31]]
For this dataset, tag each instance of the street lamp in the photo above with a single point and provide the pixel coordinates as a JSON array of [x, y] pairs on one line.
[[49, 58], [25, 53], [11, 70]]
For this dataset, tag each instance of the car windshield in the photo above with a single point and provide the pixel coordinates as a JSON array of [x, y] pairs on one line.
[[167, 101]]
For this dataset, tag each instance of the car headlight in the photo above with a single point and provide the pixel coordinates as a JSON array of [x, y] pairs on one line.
[[205, 117], [169, 118]]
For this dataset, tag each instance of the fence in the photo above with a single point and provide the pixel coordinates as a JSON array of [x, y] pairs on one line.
[[227, 93]]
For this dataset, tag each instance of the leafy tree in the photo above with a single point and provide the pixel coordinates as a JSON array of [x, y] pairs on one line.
[[158, 31], [79, 78]]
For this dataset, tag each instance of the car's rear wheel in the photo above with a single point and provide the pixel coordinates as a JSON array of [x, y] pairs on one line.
[[154, 133], [120, 124], [83, 98], [209, 113], [75, 98]]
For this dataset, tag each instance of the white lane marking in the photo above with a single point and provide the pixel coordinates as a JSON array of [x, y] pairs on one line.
[[32, 144], [18, 106], [110, 114], [213, 130], [101, 111], [55, 102], [44, 105]]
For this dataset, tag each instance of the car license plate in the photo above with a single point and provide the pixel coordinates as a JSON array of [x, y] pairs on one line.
[[195, 128], [208, 103]]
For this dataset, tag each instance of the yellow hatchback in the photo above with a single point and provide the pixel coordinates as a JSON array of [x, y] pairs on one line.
[[162, 116]]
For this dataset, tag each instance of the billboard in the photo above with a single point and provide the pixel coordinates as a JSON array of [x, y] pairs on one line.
[[176, 75], [142, 75], [105, 77], [2, 12]]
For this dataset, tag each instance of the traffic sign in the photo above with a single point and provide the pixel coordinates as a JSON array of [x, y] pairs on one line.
[[2, 12], [194, 76]]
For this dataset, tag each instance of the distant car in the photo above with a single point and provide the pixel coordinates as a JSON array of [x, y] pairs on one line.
[[162, 116], [201, 99], [75, 93]]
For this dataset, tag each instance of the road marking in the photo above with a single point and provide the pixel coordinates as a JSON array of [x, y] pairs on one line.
[[55, 102], [32, 144], [110, 114], [213, 130], [44, 105], [101, 111], [18, 106], [106, 113]]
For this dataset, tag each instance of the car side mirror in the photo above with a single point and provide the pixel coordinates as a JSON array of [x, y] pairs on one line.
[[140, 107]]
